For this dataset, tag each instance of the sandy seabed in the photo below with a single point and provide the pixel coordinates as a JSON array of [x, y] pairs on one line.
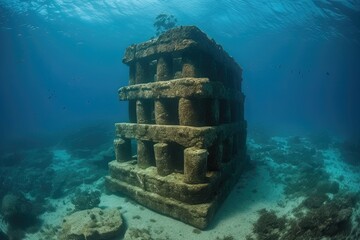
[[264, 186]]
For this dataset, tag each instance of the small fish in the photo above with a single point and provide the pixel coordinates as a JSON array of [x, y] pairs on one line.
[[327, 73]]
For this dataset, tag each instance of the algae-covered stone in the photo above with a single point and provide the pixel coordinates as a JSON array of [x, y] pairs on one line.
[[186, 116], [92, 224]]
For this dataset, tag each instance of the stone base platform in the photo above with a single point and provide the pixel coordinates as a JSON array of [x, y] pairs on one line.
[[194, 204]]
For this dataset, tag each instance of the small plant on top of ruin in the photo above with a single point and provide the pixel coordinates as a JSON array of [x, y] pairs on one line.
[[164, 22]]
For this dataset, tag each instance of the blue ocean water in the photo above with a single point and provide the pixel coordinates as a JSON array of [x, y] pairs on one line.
[[60, 68], [61, 61]]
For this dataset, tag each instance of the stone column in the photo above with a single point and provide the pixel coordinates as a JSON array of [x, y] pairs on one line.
[[166, 111], [132, 72], [230, 78], [145, 154], [143, 112], [141, 73], [215, 156], [195, 165], [122, 149], [235, 144], [163, 159], [214, 112], [164, 68], [227, 149], [161, 112], [189, 65], [212, 70], [191, 113], [132, 111], [225, 111]]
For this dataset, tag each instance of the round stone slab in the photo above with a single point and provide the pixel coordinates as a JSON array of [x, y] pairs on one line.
[[92, 224]]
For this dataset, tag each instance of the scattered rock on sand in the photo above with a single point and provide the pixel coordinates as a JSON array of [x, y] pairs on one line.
[[137, 234]]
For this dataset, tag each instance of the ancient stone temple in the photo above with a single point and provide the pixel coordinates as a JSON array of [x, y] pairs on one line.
[[186, 111]]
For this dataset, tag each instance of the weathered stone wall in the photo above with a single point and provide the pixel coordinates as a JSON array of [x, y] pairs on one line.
[[186, 113]]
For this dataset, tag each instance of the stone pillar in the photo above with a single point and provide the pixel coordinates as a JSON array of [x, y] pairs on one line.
[[214, 112], [143, 112], [163, 159], [191, 113], [221, 72], [132, 72], [132, 111], [241, 108], [230, 78], [225, 111], [212, 70], [228, 149], [166, 112], [164, 68], [215, 156], [161, 112], [122, 149], [177, 67], [195, 165], [145, 154], [189, 65], [235, 144], [141, 73]]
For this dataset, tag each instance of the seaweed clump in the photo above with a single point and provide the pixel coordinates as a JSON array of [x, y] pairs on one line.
[[316, 218], [86, 199], [164, 22], [20, 214], [269, 226], [332, 219]]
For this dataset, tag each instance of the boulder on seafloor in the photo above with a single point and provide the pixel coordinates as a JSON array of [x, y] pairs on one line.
[[18, 211], [92, 224]]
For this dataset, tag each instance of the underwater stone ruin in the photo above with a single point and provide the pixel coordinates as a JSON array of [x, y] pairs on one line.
[[186, 111]]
